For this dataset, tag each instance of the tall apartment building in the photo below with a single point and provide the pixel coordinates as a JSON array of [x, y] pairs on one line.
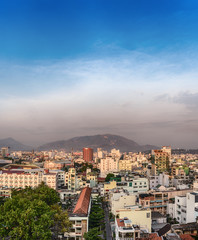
[[186, 208], [125, 165], [108, 165], [161, 159], [88, 154], [71, 179]]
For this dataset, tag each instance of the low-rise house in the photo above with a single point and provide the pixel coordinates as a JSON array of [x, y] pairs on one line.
[[124, 229], [5, 192], [188, 228], [138, 216], [158, 221], [121, 200]]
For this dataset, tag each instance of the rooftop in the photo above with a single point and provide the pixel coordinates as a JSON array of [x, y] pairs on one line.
[[82, 205], [186, 237]]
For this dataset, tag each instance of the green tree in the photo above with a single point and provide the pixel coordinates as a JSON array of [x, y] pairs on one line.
[[42, 192], [33, 214], [93, 234], [61, 221], [96, 217], [24, 219], [109, 176]]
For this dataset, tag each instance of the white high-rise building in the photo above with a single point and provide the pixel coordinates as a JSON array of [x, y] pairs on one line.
[[186, 208], [108, 165]]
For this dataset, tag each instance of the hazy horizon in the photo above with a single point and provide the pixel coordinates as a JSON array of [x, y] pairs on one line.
[[74, 68]]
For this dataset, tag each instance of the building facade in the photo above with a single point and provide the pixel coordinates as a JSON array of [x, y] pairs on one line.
[[88, 154]]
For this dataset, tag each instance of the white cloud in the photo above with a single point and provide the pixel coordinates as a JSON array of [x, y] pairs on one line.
[[56, 100]]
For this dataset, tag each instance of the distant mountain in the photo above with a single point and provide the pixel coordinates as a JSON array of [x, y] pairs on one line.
[[105, 141], [13, 145]]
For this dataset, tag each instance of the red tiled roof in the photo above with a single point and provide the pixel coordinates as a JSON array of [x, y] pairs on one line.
[[152, 236], [82, 205], [186, 237]]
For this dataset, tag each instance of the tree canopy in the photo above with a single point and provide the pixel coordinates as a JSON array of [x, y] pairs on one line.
[[96, 217], [93, 234], [33, 214], [109, 176]]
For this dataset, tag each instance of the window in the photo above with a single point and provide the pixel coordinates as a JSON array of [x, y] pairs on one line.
[[148, 215]]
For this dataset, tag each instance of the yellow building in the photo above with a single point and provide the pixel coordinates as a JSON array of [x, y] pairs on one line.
[[109, 186], [138, 216], [125, 165], [70, 179]]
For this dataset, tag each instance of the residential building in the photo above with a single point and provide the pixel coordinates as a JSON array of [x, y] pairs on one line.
[[71, 179], [188, 228], [115, 153], [161, 159], [88, 154], [108, 165], [92, 178], [21, 178], [120, 201], [4, 151], [186, 207], [136, 185], [161, 179], [155, 201], [79, 215], [138, 216], [125, 165], [5, 192], [124, 229], [54, 165]]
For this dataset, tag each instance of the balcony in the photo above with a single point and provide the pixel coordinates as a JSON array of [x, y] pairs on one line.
[[125, 230], [79, 225]]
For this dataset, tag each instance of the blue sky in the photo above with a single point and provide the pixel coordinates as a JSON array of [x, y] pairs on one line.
[[83, 67]]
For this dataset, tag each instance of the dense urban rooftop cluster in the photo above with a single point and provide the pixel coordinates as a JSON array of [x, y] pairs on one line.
[[142, 195]]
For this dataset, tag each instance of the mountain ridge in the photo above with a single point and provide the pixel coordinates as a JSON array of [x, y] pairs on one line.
[[13, 144], [104, 141]]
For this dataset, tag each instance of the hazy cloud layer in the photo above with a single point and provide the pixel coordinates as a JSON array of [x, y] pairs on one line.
[[150, 99]]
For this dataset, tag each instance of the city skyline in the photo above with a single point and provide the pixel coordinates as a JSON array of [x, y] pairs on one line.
[[95, 67]]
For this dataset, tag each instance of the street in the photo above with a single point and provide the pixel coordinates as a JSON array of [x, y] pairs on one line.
[[107, 223]]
